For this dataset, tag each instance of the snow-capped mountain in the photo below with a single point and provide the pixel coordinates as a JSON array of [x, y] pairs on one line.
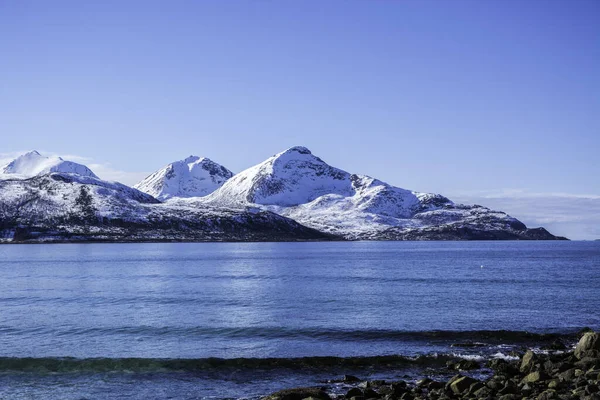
[[191, 177], [293, 195], [39, 204], [33, 163], [297, 184]]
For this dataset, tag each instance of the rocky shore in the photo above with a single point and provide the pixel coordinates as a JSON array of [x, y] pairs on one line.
[[557, 373]]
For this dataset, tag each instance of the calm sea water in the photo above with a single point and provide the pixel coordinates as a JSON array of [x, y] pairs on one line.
[[82, 311]]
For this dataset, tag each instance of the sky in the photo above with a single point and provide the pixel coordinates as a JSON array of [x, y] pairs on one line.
[[493, 102]]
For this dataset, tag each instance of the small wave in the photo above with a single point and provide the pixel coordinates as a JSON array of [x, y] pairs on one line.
[[505, 356], [490, 337], [474, 357], [144, 365]]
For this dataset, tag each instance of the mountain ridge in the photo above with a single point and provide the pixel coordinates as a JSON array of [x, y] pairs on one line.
[[293, 195], [191, 177], [297, 184]]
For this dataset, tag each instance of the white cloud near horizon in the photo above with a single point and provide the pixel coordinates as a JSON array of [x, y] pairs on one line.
[[107, 172], [576, 216]]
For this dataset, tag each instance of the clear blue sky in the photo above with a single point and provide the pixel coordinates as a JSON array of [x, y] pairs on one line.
[[443, 96]]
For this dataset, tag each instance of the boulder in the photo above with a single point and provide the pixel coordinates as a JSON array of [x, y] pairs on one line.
[[533, 377], [590, 341], [526, 389], [484, 392], [592, 388], [451, 381], [548, 395], [370, 394], [354, 392], [424, 382], [475, 387], [398, 388], [528, 361], [504, 367], [466, 365], [509, 388], [462, 384]]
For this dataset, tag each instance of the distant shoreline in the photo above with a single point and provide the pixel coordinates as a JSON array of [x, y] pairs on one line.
[[277, 241]]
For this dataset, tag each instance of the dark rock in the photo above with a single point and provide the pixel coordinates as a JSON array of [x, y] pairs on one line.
[[563, 366], [495, 384], [369, 393], [548, 395], [482, 393], [475, 387], [526, 390], [533, 377], [466, 365], [590, 341], [502, 366], [394, 390], [580, 382], [509, 388], [567, 375], [451, 380], [509, 397], [298, 394], [354, 392], [372, 384], [350, 379], [592, 388], [554, 384], [528, 361], [592, 375], [398, 388], [549, 366], [434, 385], [462, 384], [424, 382], [556, 345], [588, 362]]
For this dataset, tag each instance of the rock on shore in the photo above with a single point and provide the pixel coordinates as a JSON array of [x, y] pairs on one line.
[[558, 374]]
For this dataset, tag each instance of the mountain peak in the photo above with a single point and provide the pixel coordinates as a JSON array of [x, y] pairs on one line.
[[289, 178], [296, 149], [33, 163], [191, 177], [192, 159]]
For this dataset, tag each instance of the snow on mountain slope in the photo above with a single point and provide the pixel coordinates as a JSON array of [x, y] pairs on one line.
[[33, 163], [289, 178], [297, 180], [301, 186], [68, 207], [191, 177]]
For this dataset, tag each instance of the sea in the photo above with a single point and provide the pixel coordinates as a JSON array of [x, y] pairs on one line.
[[242, 320]]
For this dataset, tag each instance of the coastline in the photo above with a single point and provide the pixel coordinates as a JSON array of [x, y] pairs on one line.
[[531, 366], [557, 371]]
